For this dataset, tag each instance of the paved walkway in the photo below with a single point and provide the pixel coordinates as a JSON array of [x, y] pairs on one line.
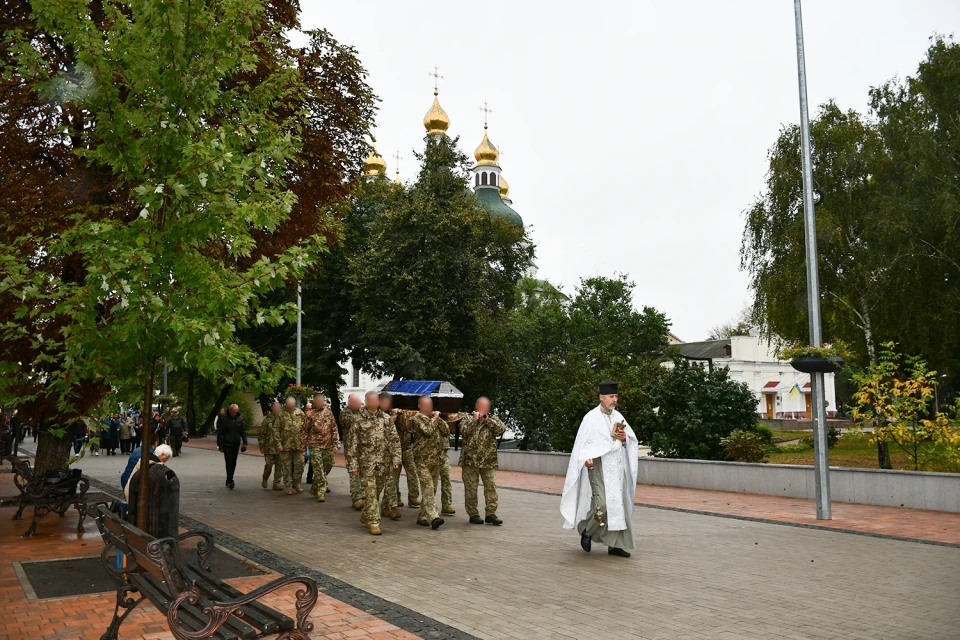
[[913, 524], [692, 575]]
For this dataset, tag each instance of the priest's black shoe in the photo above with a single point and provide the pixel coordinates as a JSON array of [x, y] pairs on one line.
[[618, 552], [435, 523], [585, 542], [493, 519], [476, 520]]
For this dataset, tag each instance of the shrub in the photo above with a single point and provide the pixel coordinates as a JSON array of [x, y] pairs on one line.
[[744, 446], [833, 436], [765, 433], [793, 448]]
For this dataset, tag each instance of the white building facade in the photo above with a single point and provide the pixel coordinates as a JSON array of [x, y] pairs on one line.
[[782, 392]]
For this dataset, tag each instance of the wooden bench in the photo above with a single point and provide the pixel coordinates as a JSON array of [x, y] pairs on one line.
[[196, 604], [48, 494]]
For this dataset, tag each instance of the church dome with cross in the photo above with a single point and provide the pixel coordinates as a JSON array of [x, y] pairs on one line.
[[488, 184]]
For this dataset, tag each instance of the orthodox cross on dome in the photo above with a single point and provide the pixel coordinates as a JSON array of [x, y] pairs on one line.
[[486, 110], [435, 74], [396, 156]]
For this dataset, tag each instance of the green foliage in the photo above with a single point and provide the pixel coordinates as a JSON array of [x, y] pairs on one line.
[[802, 447], [838, 349], [165, 266], [886, 226], [691, 410], [560, 350], [765, 434], [833, 436], [242, 400], [436, 278], [744, 446]]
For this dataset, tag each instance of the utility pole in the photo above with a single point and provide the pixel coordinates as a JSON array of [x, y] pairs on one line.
[[821, 461]]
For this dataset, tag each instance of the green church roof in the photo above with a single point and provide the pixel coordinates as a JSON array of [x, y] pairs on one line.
[[490, 197]]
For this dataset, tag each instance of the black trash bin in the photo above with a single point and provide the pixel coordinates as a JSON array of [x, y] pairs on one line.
[[163, 501]]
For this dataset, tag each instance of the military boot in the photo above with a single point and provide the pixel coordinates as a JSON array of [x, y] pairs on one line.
[[448, 511], [375, 530], [358, 505], [413, 503], [296, 487], [393, 514], [264, 483], [277, 487], [289, 491], [321, 498]]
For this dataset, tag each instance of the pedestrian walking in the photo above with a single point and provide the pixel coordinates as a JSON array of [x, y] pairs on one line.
[[231, 440]]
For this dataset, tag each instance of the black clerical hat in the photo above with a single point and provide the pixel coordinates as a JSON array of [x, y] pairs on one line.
[[608, 387]]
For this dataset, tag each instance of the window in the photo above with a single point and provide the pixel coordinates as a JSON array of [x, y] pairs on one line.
[[493, 179], [483, 179], [477, 180]]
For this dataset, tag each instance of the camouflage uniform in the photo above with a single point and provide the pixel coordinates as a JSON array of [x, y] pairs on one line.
[[319, 435], [446, 488], [348, 419], [374, 451], [431, 437], [478, 459], [269, 439], [291, 459], [409, 464]]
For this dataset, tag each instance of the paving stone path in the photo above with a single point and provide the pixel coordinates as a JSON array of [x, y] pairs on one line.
[[691, 576]]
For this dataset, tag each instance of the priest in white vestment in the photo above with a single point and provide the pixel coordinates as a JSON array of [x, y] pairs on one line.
[[602, 478]]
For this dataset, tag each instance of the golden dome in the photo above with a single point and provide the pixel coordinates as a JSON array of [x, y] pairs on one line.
[[504, 188], [486, 154], [396, 178], [436, 121], [374, 165]]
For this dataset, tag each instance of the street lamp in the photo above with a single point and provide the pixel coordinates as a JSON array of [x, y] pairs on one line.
[[821, 463]]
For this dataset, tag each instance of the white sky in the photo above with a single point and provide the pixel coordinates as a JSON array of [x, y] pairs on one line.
[[635, 133]]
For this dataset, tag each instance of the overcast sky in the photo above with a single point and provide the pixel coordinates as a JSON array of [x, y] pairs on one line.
[[634, 133]]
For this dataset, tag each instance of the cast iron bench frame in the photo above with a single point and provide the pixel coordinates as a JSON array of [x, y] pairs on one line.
[[47, 496], [196, 605]]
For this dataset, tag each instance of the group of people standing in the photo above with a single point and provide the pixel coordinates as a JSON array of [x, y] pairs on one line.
[[379, 442], [120, 430]]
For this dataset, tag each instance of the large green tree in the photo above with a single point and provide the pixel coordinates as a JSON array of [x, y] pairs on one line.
[[164, 166], [437, 276]]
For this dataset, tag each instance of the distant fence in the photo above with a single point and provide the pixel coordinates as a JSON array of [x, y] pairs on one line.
[[911, 489]]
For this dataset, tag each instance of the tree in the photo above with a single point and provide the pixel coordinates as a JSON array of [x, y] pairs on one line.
[[60, 96], [691, 410], [894, 395], [561, 349], [741, 325], [438, 273], [197, 145]]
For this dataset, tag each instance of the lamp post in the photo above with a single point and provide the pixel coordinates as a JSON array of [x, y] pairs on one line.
[[821, 462], [299, 329]]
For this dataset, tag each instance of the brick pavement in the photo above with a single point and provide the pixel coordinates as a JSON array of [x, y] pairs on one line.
[[692, 575], [87, 617], [915, 524]]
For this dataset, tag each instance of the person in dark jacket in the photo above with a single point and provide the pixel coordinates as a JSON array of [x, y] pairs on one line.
[[176, 427], [158, 426], [231, 440]]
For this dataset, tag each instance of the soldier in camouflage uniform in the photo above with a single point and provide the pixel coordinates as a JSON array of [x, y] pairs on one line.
[[478, 459], [269, 439], [387, 489], [446, 488], [432, 435], [320, 436], [290, 458], [374, 454], [348, 419], [409, 464]]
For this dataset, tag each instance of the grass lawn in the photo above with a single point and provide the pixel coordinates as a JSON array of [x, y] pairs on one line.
[[852, 450]]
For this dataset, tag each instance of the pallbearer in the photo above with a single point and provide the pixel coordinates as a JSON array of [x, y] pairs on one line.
[[478, 458], [602, 478]]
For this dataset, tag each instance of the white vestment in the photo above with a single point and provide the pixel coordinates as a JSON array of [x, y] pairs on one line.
[[595, 440]]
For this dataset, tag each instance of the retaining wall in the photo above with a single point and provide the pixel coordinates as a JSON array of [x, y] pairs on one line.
[[912, 489]]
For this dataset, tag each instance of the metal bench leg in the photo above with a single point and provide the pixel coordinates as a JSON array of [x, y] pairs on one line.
[[19, 514], [38, 512], [81, 507], [123, 601]]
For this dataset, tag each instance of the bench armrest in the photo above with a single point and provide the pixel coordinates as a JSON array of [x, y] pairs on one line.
[[220, 611], [204, 546]]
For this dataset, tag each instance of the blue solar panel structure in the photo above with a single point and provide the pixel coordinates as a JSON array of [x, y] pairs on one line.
[[413, 387]]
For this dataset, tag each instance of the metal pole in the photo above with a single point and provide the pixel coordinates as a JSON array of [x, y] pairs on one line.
[[821, 462], [299, 329]]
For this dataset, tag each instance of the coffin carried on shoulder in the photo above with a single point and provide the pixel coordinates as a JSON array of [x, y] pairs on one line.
[[446, 397]]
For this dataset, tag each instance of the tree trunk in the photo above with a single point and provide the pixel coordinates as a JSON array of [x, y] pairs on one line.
[[883, 449], [52, 452], [191, 405], [266, 402], [216, 407], [333, 393], [145, 449]]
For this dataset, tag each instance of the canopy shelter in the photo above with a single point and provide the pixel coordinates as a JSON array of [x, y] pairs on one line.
[[446, 397]]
